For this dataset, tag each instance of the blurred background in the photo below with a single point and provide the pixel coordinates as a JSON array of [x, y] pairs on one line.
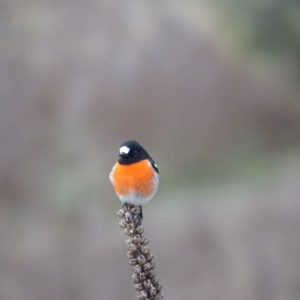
[[209, 88]]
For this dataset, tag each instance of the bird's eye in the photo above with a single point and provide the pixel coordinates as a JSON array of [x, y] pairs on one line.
[[134, 152]]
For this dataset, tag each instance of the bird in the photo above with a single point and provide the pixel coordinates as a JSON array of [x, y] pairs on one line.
[[135, 176]]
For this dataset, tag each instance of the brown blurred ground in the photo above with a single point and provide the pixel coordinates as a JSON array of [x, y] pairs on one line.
[[79, 78]]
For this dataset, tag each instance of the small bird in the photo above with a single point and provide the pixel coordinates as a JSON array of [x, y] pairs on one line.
[[135, 175]]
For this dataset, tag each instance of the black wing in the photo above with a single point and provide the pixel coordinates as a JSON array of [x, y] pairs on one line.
[[153, 164]]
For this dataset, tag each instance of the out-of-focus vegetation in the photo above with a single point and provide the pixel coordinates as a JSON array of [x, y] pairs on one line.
[[267, 30], [77, 78]]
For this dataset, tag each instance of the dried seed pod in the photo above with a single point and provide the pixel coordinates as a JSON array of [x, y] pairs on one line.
[[121, 213], [145, 249], [147, 284], [132, 248], [153, 263], [131, 227], [159, 287], [137, 239], [160, 296], [152, 273], [141, 259], [123, 224], [150, 258], [155, 280], [142, 295], [126, 232], [138, 286], [153, 292], [129, 241], [135, 210], [136, 221], [135, 278], [147, 266], [140, 229], [142, 276], [133, 262], [137, 269], [128, 216], [130, 255], [145, 240]]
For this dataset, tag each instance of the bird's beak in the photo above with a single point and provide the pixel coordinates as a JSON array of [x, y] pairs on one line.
[[123, 154]]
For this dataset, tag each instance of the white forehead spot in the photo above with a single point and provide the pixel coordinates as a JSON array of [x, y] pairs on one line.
[[124, 150]]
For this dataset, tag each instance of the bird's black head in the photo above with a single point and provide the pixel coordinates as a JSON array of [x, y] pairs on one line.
[[131, 152]]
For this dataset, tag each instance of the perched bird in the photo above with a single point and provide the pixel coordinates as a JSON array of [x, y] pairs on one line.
[[135, 175]]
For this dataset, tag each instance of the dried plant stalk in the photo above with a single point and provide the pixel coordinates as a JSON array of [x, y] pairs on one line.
[[140, 258]]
